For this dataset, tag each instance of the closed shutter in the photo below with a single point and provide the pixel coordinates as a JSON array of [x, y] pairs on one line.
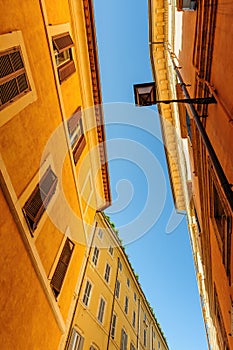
[[74, 121], [62, 266], [13, 78], [79, 148], [39, 199], [65, 71]]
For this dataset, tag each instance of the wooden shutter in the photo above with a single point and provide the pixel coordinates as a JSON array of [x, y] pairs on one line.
[[13, 78], [79, 148], [66, 70], [62, 266], [62, 42], [40, 198], [74, 120]]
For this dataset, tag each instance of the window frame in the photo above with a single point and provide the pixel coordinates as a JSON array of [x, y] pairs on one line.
[[107, 272], [124, 339], [95, 255], [126, 306], [57, 281], [222, 225], [101, 309], [113, 326], [77, 140], [67, 68], [80, 339], [9, 41], [118, 287], [87, 293], [36, 197]]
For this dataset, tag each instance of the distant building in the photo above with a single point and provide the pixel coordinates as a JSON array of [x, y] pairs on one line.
[[112, 311], [196, 37]]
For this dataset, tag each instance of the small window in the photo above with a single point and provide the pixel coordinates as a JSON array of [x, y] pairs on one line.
[[101, 310], [95, 255], [39, 199], [76, 134], [113, 328], [62, 266], [128, 282], [62, 46], [13, 77], [134, 319], [107, 272], [159, 344], [110, 250], [135, 297], [118, 285], [126, 304], [76, 341], [120, 265], [223, 225], [144, 337], [132, 347], [100, 233], [124, 339], [87, 292]]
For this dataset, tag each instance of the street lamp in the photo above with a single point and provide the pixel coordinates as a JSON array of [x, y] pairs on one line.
[[145, 95]]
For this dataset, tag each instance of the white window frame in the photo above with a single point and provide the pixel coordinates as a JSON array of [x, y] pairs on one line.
[[76, 340], [8, 41], [87, 296], [101, 310]]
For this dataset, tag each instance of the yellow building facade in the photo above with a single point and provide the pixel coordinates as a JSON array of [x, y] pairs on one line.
[[111, 309], [53, 165]]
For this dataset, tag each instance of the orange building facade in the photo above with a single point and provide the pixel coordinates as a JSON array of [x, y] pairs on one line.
[[53, 165], [192, 40]]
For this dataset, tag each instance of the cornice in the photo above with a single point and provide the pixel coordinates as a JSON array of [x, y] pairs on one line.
[[96, 89]]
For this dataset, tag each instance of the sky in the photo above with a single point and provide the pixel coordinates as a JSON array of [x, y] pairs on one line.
[[156, 238]]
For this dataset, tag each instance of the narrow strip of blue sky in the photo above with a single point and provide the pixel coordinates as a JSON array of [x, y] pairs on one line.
[[163, 261]]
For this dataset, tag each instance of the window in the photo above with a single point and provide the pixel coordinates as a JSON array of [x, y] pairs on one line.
[[100, 233], [62, 46], [76, 341], [13, 77], [223, 225], [134, 319], [107, 272], [159, 344], [144, 337], [132, 347], [126, 304], [110, 250], [37, 203], [124, 339], [128, 282], [87, 293], [17, 89], [62, 266], [120, 265], [113, 328], [76, 134], [118, 285], [95, 255], [101, 310], [219, 324], [135, 296]]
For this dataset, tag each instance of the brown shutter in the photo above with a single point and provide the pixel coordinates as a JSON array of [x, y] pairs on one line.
[[39, 199], [66, 70], [79, 148], [74, 121], [62, 42], [13, 79], [62, 266]]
